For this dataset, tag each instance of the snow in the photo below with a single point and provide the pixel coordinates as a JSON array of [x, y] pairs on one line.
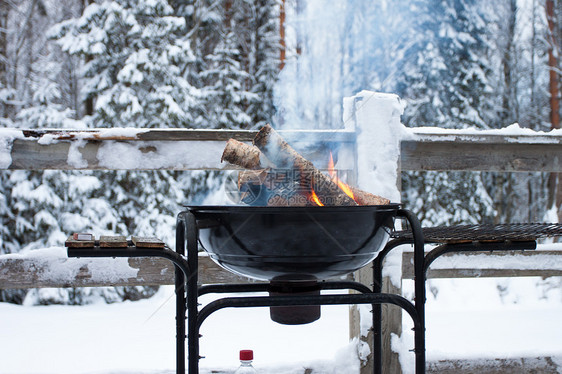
[[154, 155], [470, 319], [7, 137], [520, 134], [139, 337], [55, 259], [75, 157], [466, 319]]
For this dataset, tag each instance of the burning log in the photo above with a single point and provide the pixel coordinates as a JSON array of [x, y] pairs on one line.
[[280, 176], [366, 198], [270, 187], [281, 154]]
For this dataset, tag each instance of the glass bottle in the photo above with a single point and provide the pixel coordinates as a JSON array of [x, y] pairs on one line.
[[246, 358]]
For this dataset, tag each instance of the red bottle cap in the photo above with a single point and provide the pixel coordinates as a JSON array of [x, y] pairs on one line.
[[246, 355]]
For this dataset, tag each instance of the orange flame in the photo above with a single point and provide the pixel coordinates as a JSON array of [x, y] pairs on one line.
[[315, 198], [332, 171]]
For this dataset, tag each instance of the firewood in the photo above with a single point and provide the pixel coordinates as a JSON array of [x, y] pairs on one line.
[[270, 187], [366, 198], [281, 154], [242, 154], [255, 177]]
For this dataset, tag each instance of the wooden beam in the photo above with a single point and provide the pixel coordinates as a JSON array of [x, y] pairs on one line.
[[177, 134], [500, 264], [482, 152], [192, 149], [161, 149], [519, 365], [38, 272]]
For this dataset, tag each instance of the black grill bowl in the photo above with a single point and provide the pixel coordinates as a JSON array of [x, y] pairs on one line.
[[293, 243]]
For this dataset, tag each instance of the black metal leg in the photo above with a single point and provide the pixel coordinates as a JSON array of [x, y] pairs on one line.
[[265, 301], [180, 298], [377, 308], [419, 290], [419, 287], [182, 270], [192, 295]]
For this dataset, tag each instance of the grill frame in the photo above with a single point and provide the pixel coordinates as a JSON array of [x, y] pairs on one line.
[[458, 234]]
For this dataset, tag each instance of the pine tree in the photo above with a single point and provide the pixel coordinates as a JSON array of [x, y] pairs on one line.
[[445, 81], [224, 92], [148, 70], [263, 53], [136, 63], [445, 75]]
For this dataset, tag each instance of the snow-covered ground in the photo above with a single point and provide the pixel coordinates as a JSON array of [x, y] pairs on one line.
[[466, 318]]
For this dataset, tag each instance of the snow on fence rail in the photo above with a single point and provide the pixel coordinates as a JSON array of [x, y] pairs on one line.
[[188, 149]]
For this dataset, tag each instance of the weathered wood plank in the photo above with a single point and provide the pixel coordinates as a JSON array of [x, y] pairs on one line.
[[35, 272], [191, 149], [524, 365], [167, 149], [500, 264], [449, 156], [107, 155], [456, 151], [172, 134], [391, 324]]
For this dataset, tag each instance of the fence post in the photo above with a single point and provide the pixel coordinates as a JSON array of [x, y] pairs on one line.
[[375, 117]]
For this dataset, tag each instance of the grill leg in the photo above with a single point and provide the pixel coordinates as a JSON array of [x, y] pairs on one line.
[[180, 298], [419, 294], [419, 287], [192, 294]]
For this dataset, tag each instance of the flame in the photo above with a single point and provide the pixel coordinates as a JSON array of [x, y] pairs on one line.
[[332, 172], [315, 198]]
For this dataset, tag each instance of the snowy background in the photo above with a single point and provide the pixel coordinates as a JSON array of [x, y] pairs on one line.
[[216, 64]]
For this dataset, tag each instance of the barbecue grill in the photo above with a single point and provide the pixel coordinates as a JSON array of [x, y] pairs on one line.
[[295, 249], [244, 240]]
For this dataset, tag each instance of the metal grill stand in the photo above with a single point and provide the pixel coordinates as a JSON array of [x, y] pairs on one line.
[[451, 239], [187, 291], [186, 236]]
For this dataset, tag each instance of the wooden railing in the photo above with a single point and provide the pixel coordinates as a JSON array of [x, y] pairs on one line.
[[184, 149], [21, 271]]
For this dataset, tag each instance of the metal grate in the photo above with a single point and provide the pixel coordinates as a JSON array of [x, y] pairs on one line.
[[501, 232]]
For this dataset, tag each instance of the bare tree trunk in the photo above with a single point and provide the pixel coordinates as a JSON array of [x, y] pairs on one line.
[[89, 100], [4, 11], [283, 49], [553, 67], [555, 192], [504, 182]]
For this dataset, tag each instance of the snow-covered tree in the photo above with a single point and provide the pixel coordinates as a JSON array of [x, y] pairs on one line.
[[136, 60], [225, 94], [444, 77], [260, 51]]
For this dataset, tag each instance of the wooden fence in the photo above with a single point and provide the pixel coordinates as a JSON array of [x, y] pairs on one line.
[[422, 150]]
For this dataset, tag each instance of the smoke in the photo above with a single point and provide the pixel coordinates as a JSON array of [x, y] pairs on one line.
[[335, 49]]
